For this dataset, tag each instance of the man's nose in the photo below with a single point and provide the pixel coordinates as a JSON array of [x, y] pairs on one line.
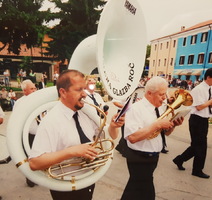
[[84, 94]]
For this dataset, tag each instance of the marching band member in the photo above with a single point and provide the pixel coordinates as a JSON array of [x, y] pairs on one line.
[[143, 151], [198, 126], [28, 87], [94, 97], [65, 130]]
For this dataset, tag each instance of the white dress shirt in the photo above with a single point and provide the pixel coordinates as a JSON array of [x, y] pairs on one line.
[[200, 95], [142, 114], [58, 131]]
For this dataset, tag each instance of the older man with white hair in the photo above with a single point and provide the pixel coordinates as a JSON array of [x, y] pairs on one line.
[[144, 146], [28, 87]]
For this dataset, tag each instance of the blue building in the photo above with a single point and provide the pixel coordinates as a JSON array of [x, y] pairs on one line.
[[194, 52]]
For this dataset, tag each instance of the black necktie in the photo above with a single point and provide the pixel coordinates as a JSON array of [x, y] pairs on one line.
[[96, 104], [162, 132], [210, 108], [83, 137], [94, 100]]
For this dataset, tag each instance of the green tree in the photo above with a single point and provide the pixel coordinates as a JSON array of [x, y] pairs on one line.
[[146, 64], [148, 50], [21, 23], [78, 20], [26, 64]]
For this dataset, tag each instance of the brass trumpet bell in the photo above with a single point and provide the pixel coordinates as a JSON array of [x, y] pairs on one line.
[[182, 97], [188, 100]]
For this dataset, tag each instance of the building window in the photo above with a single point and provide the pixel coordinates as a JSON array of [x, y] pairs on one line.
[[184, 41], [210, 58], [200, 58], [153, 63], [174, 43], [167, 45], [193, 39], [182, 60], [190, 59], [155, 47], [159, 63], [171, 63], [204, 37], [165, 62], [161, 45]]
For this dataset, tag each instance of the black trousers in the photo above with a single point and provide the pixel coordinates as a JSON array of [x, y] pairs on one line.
[[83, 194], [198, 128], [140, 185], [122, 145]]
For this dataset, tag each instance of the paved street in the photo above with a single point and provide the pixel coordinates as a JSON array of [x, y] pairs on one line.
[[170, 183]]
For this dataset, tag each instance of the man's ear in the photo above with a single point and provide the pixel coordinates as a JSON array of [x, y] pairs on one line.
[[149, 92], [62, 92]]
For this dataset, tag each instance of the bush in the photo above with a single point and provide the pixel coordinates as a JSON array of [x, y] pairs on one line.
[[13, 88], [49, 84]]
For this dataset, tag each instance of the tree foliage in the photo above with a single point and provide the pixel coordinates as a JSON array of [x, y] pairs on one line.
[[146, 64], [78, 20], [26, 63], [148, 50], [21, 23]]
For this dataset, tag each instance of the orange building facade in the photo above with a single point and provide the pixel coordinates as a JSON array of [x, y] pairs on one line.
[[41, 62]]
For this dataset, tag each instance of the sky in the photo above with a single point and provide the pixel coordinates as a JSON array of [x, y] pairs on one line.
[[164, 17]]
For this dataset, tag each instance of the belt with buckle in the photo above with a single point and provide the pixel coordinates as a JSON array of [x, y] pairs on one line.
[[147, 154]]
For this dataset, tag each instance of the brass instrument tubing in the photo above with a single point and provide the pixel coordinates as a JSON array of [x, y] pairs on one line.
[[99, 161], [21, 163], [102, 124]]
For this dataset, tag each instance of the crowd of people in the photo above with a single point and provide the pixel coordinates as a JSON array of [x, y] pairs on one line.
[[176, 83], [23, 75], [184, 84], [65, 131], [8, 97]]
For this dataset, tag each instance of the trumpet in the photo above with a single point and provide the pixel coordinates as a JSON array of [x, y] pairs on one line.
[[78, 165], [182, 97]]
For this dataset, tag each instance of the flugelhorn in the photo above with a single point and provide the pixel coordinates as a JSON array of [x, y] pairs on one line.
[[78, 165], [182, 97]]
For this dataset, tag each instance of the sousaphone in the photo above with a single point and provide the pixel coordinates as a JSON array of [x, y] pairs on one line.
[[118, 51]]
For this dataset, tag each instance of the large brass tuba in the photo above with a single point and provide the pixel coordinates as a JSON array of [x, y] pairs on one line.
[[118, 46], [182, 97]]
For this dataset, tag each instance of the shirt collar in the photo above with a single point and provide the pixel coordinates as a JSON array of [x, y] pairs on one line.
[[148, 104], [151, 107], [206, 85], [88, 93], [67, 111]]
